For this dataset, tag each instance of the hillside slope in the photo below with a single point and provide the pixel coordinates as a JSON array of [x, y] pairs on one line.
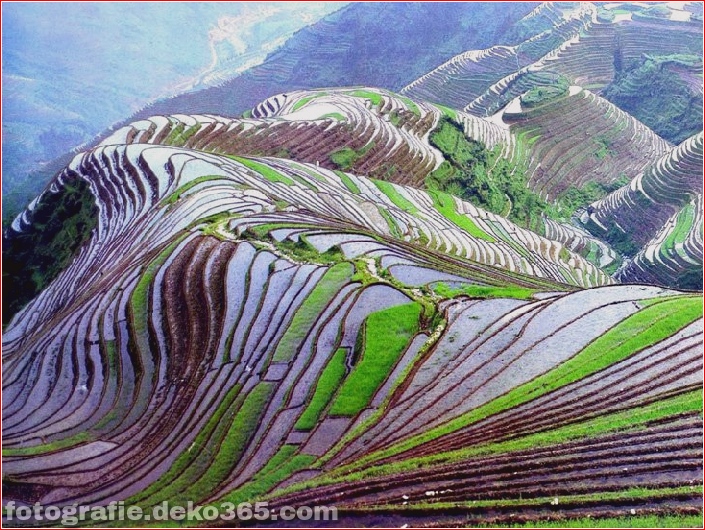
[[658, 216], [580, 138], [353, 47], [297, 326], [156, 186], [364, 130], [306, 305], [674, 256], [592, 47], [472, 74], [381, 134]]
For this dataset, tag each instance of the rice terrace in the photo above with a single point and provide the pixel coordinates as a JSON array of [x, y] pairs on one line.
[[426, 264]]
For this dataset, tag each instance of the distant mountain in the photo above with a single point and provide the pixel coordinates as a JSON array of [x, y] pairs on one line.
[[650, 66], [64, 79], [373, 44]]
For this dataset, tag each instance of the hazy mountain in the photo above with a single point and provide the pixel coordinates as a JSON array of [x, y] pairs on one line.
[[72, 69], [373, 44]]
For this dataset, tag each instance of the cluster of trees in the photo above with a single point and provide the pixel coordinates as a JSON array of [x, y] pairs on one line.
[[61, 223], [550, 86], [482, 177]]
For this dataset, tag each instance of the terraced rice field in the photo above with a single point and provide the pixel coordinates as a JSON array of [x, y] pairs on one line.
[[661, 210], [383, 135], [578, 139], [582, 138], [367, 131], [234, 350], [565, 39], [582, 242], [466, 80]]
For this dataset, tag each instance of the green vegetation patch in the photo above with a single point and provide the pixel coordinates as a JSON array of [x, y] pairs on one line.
[[482, 176], [637, 417], [172, 198], [551, 87], [50, 447], [302, 250], [346, 157], [327, 385], [684, 224], [305, 183], [603, 146], [411, 106], [191, 463], [445, 204], [310, 311], [139, 301], [633, 419], [175, 133], [348, 182], [241, 429], [691, 278], [266, 171], [179, 135], [397, 198], [335, 115], [216, 450], [262, 231], [300, 103], [61, 223], [574, 198], [483, 291], [448, 112], [374, 97], [391, 223], [669, 107], [395, 118], [189, 133], [385, 336], [281, 466], [307, 170]]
